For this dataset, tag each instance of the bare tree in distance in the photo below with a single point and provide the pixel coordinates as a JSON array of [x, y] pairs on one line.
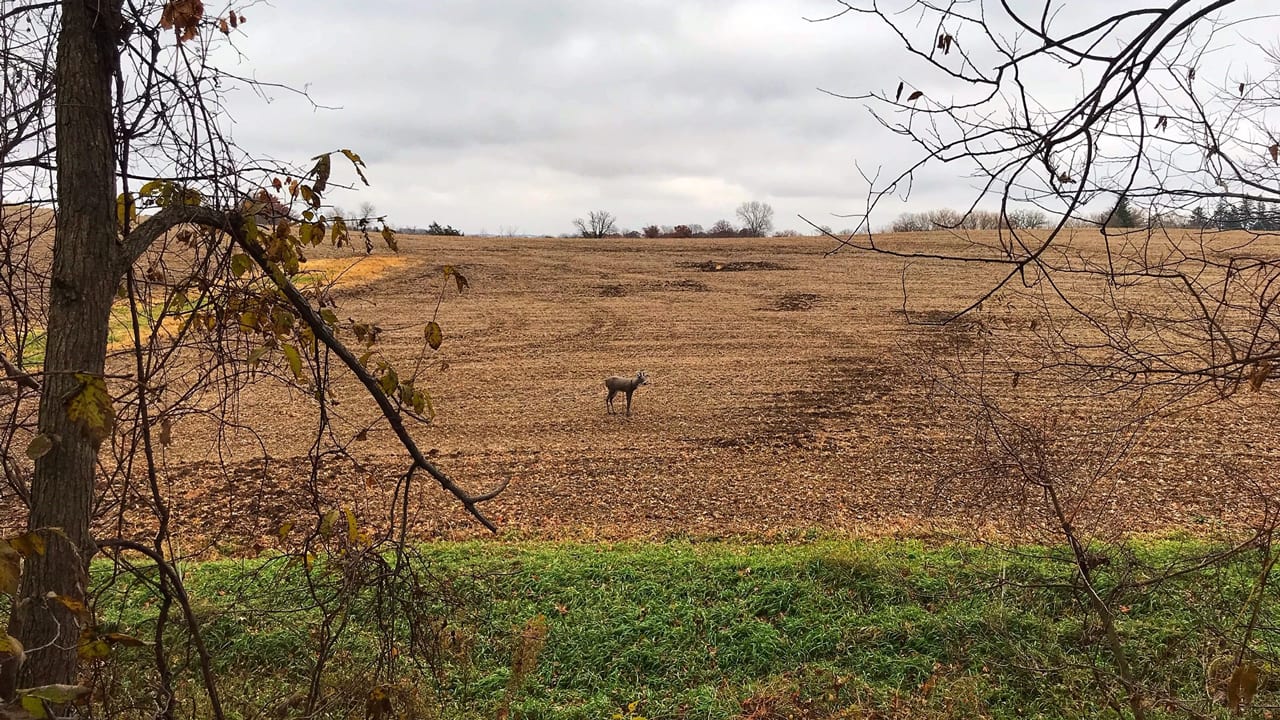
[[722, 229], [599, 223], [756, 217]]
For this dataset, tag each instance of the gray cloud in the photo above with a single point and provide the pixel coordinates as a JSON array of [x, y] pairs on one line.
[[528, 114]]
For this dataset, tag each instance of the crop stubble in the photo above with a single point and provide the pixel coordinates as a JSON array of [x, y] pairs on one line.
[[786, 395]]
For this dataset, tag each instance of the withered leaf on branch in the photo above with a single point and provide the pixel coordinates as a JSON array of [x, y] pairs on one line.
[[183, 17], [434, 336], [898, 95], [39, 446], [1242, 687], [90, 406], [1259, 375], [321, 172], [915, 95]]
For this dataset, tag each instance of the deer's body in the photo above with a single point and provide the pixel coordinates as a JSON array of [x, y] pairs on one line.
[[628, 385]]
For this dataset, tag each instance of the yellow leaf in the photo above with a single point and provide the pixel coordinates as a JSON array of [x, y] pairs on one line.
[[39, 446], [93, 647], [354, 535], [153, 188], [10, 568], [116, 638], [295, 360], [126, 209], [434, 335], [28, 544], [10, 646], [71, 604], [389, 382], [390, 239], [327, 522], [378, 705], [240, 264], [56, 694], [285, 527], [34, 707], [90, 407]]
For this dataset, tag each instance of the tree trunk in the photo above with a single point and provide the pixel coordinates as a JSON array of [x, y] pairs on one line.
[[83, 285]]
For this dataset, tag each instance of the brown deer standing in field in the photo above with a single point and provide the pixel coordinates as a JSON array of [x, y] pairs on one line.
[[628, 385]]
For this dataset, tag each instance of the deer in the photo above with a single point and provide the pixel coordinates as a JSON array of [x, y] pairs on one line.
[[628, 385]]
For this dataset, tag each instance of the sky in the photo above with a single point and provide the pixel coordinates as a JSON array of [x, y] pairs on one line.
[[518, 116], [521, 116]]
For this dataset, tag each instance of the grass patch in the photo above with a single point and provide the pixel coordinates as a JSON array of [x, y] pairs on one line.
[[720, 630]]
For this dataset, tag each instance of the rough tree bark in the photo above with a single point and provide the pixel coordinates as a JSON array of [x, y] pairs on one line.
[[83, 284]]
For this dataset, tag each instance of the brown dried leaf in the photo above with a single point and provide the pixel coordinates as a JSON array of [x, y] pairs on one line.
[[10, 568], [39, 446], [166, 432], [1242, 687], [433, 335], [183, 17], [915, 96], [1259, 375]]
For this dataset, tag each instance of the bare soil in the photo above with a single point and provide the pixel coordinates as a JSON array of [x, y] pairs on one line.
[[786, 396]]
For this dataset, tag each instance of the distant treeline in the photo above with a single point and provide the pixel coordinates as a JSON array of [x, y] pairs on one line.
[[1244, 215], [432, 229]]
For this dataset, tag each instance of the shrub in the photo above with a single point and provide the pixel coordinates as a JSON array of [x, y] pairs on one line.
[[435, 229]]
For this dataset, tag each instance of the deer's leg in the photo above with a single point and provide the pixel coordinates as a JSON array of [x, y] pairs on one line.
[[629, 401], [608, 402]]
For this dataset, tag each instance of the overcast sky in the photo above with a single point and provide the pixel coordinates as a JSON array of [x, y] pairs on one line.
[[500, 115], [522, 115]]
